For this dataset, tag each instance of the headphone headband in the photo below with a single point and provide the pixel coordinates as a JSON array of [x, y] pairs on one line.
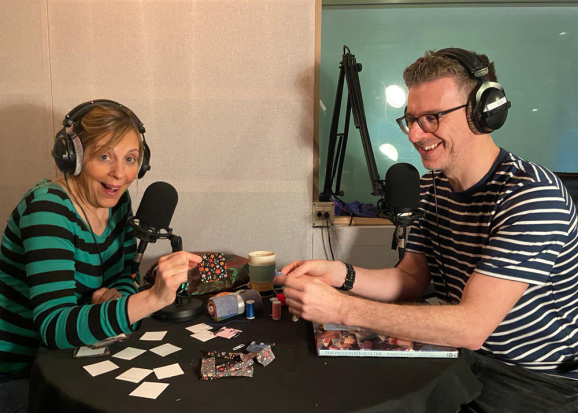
[[79, 111], [469, 60]]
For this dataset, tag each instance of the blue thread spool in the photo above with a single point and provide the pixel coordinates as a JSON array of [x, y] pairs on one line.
[[250, 309]]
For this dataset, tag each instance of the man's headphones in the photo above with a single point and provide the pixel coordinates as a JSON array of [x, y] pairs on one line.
[[487, 105], [68, 151]]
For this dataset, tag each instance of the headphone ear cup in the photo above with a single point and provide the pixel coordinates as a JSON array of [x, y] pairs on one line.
[[471, 115], [146, 158], [490, 98], [65, 152], [78, 153]]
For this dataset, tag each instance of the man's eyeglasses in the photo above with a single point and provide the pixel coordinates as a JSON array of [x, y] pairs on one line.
[[430, 122]]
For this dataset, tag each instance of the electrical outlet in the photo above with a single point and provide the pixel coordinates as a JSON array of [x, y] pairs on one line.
[[321, 212]]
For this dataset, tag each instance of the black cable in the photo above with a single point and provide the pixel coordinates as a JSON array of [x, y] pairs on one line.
[[329, 237], [87, 221], [443, 269]]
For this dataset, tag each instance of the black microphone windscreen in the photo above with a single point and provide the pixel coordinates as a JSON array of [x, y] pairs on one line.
[[158, 205], [402, 187]]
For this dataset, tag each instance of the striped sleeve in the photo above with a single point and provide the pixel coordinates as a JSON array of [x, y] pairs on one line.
[[123, 281], [529, 230], [47, 228]]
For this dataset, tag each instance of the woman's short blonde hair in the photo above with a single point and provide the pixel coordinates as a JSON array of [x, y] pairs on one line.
[[101, 121]]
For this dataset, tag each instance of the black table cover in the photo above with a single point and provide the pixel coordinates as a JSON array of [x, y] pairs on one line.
[[297, 381]]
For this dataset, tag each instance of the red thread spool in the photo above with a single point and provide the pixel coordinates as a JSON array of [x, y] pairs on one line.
[[276, 310]]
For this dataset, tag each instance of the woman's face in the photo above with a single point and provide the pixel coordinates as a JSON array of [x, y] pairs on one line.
[[108, 172]]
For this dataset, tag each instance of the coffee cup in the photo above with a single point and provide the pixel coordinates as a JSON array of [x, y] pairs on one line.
[[261, 270]]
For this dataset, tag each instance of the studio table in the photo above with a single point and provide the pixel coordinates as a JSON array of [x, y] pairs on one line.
[[296, 381]]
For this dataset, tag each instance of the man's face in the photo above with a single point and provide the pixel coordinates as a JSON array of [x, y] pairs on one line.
[[447, 148]]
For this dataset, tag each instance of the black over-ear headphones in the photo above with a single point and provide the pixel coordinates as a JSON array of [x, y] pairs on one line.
[[68, 151], [487, 105]]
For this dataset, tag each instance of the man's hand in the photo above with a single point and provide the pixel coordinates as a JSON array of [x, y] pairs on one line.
[[172, 271], [330, 272], [312, 299], [105, 294]]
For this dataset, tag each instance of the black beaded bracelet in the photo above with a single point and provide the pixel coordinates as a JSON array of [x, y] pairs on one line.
[[349, 278]]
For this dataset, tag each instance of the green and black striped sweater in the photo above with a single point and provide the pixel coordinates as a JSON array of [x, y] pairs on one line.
[[49, 269]]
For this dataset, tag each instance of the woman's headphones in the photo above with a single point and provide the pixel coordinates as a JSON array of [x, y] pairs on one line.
[[487, 105], [68, 151]]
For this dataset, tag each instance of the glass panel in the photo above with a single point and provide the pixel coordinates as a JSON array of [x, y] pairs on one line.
[[535, 50]]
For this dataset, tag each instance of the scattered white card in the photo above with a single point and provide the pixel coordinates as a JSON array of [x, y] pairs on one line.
[[134, 375], [203, 335], [153, 336], [100, 368], [89, 351], [165, 349], [149, 390], [197, 328], [129, 353], [168, 371]]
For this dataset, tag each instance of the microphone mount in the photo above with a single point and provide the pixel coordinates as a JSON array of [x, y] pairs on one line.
[[148, 233]]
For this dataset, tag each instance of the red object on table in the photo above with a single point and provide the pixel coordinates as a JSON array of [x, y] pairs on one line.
[[281, 297]]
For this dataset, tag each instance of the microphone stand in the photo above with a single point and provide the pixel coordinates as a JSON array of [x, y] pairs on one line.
[[180, 310], [349, 72]]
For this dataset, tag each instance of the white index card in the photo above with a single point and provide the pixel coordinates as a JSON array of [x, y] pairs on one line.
[[129, 353], [204, 336], [165, 349], [100, 368], [197, 328], [168, 371], [149, 390], [134, 375], [153, 335]]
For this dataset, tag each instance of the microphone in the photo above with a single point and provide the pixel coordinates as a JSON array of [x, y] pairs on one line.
[[401, 201], [154, 215], [402, 193]]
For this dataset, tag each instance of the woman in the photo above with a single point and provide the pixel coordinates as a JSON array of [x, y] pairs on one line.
[[66, 253]]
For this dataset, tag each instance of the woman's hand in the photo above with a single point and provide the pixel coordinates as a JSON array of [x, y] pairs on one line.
[[105, 294], [172, 271], [330, 272]]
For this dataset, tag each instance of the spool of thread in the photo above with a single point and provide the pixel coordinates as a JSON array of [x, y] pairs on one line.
[[254, 295], [276, 310], [227, 306], [250, 309]]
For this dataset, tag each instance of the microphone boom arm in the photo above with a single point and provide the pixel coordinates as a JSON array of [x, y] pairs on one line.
[[349, 72]]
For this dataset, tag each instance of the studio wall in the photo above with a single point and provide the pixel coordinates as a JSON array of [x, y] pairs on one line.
[[224, 88]]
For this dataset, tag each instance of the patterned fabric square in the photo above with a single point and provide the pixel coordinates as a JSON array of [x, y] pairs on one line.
[[237, 367], [213, 267]]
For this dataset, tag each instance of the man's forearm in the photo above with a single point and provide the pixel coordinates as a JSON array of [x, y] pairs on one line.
[[389, 284], [448, 325]]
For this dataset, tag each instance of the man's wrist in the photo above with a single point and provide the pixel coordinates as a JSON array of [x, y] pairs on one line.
[[349, 278]]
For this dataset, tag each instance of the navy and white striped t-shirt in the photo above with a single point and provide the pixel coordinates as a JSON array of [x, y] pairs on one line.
[[518, 223], [49, 269]]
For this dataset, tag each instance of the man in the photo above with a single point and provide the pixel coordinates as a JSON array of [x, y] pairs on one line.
[[499, 241]]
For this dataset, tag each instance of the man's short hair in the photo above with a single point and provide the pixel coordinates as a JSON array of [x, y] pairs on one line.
[[433, 66]]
